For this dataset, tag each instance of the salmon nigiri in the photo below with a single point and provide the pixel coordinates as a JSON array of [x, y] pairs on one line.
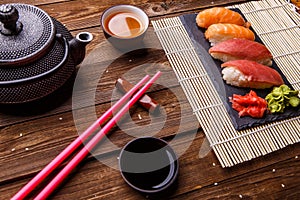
[[217, 15], [220, 32], [241, 49], [246, 73]]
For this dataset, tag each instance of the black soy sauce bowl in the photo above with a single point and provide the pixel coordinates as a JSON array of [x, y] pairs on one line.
[[149, 165]]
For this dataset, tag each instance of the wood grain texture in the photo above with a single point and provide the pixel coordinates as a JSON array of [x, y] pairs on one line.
[[84, 14], [32, 135], [198, 179]]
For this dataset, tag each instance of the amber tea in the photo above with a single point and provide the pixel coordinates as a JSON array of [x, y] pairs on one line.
[[124, 25]]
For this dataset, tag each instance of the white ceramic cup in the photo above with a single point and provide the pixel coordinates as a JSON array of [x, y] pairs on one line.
[[125, 42]]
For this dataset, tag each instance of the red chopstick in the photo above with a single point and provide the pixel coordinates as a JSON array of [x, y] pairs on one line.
[[93, 142], [76, 143]]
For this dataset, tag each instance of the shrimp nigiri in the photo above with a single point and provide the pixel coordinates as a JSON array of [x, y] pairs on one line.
[[217, 15], [220, 32]]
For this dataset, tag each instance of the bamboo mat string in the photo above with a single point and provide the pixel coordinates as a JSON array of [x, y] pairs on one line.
[[281, 34], [280, 44]]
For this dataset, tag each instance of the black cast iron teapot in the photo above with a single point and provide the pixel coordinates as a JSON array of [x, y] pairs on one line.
[[37, 53]]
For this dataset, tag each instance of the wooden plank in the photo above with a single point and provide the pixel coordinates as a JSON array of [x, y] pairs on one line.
[[32, 140], [33, 2], [276, 181], [77, 15], [49, 106], [198, 178], [46, 133]]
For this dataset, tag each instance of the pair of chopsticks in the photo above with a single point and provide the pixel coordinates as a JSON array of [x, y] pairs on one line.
[[54, 183]]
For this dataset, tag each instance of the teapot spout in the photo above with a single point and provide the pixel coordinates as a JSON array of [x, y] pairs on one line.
[[78, 44]]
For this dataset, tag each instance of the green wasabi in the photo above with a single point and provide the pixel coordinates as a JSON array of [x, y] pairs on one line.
[[282, 97]]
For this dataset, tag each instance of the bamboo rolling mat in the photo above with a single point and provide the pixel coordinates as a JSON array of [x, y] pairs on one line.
[[279, 30]]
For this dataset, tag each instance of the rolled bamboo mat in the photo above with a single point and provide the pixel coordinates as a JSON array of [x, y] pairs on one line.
[[277, 25]]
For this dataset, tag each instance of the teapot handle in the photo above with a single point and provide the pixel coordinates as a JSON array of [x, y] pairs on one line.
[[58, 66]]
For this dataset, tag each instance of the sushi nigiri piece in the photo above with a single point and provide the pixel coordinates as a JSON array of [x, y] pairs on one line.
[[246, 73], [241, 49], [217, 15], [220, 32]]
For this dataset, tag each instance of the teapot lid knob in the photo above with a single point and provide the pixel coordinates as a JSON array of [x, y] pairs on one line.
[[9, 16]]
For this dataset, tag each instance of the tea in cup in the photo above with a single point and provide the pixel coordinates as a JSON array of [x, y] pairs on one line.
[[124, 26]]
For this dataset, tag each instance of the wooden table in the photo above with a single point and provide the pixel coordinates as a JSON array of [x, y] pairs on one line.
[[33, 134]]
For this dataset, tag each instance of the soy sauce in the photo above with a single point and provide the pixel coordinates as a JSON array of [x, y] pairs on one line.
[[124, 25], [150, 172]]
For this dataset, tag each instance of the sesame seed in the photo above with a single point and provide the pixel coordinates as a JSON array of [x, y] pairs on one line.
[[296, 157], [13, 149], [140, 117], [214, 164], [60, 118], [273, 170], [282, 185], [130, 60], [21, 134], [215, 184], [26, 149], [241, 196], [106, 71]]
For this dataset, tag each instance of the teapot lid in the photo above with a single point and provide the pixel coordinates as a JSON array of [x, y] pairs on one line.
[[26, 32]]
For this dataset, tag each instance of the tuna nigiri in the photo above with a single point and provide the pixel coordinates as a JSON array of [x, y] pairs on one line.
[[220, 32], [246, 73], [241, 49], [217, 15]]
